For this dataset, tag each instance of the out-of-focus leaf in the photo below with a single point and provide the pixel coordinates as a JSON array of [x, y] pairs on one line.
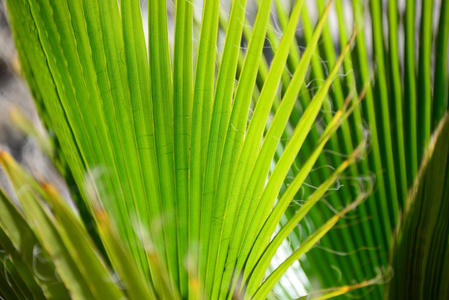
[[420, 258], [63, 236], [20, 236]]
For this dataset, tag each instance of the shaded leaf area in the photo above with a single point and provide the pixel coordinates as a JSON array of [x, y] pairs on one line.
[[397, 120], [421, 254]]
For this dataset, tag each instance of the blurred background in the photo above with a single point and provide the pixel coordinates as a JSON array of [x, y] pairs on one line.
[[15, 98]]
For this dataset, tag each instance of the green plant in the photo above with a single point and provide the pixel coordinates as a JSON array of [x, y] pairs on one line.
[[182, 176], [425, 215]]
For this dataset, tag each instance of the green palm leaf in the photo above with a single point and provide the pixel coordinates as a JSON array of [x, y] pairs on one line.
[[183, 159], [424, 232]]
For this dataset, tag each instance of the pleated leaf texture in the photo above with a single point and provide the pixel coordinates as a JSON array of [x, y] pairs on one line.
[[224, 154]]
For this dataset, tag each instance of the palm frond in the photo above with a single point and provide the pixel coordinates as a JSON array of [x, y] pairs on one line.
[[187, 161]]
